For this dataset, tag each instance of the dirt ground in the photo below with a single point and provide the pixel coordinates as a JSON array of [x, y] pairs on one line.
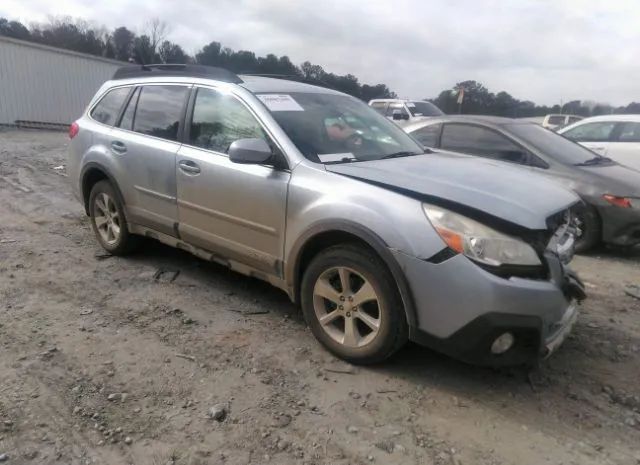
[[108, 360]]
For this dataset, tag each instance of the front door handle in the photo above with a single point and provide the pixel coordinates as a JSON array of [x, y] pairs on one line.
[[189, 167], [118, 147]]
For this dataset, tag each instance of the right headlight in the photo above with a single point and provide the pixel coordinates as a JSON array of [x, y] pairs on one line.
[[479, 242]]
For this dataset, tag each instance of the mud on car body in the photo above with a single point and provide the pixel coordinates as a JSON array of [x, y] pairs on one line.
[[318, 194]]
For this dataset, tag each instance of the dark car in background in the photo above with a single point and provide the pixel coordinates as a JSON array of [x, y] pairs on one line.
[[610, 191]]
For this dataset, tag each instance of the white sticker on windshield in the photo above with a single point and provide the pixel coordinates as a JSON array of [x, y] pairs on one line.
[[331, 157], [411, 104], [280, 102]]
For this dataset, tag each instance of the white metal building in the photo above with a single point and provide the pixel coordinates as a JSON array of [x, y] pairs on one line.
[[41, 84]]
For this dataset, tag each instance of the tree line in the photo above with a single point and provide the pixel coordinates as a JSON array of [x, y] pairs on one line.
[[153, 46], [478, 100]]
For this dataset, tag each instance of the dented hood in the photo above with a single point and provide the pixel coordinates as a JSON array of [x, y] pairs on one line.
[[509, 193]]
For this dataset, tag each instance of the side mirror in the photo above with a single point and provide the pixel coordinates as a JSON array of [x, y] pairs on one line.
[[398, 115], [250, 151]]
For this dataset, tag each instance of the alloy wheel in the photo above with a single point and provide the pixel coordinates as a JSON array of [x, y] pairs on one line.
[[107, 218], [347, 307]]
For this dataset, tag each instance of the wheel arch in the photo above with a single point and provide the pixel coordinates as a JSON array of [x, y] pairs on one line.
[[323, 235], [91, 174]]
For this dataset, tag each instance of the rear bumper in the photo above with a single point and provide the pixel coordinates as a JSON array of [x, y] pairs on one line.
[[461, 309], [620, 226]]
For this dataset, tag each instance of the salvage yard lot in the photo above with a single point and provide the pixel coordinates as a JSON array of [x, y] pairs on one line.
[[118, 360]]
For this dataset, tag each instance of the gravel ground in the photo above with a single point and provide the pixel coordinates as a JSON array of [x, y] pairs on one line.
[[105, 361]]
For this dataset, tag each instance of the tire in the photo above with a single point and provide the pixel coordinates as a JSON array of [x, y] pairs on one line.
[[107, 214], [589, 226], [346, 333]]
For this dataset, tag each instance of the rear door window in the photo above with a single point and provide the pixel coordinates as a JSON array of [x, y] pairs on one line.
[[397, 107], [477, 140], [428, 135], [556, 120], [130, 111], [591, 132], [630, 132], [159, 111], [108, 109]]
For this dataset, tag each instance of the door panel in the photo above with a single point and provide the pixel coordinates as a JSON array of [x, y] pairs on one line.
[[232, 209], [625, 148], [235, 210], [149, 170], [146, 144]]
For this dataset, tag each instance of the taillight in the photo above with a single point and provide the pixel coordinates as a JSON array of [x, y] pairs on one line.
[[73, 130], [622, 202]]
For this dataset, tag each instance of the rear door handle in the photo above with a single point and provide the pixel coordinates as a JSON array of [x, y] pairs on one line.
[[189, 167], [118, 146]]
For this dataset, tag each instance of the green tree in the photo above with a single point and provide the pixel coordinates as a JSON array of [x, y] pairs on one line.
[[14, 29], [123, 43]]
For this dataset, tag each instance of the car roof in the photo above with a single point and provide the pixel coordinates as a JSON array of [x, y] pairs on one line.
[[259, 84], [479, 119], [563, 114], [611, 118], [135, 74], [396, 100]]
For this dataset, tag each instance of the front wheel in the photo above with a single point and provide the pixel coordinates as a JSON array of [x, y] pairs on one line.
[[351, 303]]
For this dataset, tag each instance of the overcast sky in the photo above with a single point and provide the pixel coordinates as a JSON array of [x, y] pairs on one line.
[[541, 50]]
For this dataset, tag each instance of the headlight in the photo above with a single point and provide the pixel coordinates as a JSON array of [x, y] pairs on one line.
[[479, 242]]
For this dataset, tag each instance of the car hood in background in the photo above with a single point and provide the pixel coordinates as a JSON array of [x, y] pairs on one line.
[[510, 194]]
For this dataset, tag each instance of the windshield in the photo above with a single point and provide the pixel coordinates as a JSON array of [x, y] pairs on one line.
[[420, 108], [329, 128], [551, 144]]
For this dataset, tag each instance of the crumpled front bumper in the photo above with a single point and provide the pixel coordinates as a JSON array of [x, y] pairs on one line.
[[461, 309]]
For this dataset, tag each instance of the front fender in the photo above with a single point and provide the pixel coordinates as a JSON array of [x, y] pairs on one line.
[[320, 202]]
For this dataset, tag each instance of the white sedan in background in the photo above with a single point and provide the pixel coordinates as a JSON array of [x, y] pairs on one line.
[[613, 136]]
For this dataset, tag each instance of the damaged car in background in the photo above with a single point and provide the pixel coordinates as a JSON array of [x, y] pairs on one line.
[[610, 192], [378, 240]]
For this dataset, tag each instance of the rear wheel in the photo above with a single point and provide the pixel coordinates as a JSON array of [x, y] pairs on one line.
[[350, 301], [108, 220], [588, 228]]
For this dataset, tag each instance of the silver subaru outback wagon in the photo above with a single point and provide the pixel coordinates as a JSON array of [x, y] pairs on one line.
[[377, 239]]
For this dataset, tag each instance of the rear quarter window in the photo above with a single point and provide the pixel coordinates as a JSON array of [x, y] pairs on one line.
[[108, 108], [556, 120]]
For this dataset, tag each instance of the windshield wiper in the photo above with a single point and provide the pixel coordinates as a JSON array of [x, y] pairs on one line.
[[597, 160], [405, 153]]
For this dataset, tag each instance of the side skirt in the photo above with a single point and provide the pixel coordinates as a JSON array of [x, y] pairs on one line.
[[212, 257]]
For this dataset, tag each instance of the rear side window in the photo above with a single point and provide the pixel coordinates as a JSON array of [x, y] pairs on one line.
[[428, 135], [107, 110], [397, 107], [476, 140], [159, 110], [591, 132], [630, 133], [556, 120], [129, 113]]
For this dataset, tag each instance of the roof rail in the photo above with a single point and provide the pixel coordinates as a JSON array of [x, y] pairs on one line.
[[134, 71]]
